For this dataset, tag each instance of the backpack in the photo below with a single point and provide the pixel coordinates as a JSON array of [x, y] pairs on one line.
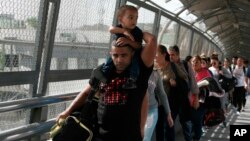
[[248, 72], [82, 124], [214, 117], [228, 83]]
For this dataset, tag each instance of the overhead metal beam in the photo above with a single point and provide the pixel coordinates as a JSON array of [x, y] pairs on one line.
[[229, 38], [239, 5], [232, 34], [209, 15], [218, 24], [247, 45], [230, 45], [190, 4], [224, 31], [229, 8], [228, 33]]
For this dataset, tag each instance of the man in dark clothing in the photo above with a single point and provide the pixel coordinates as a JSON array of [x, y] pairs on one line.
[[120, 110]]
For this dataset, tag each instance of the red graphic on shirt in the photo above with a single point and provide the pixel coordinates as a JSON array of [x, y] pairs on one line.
[[112, 93]]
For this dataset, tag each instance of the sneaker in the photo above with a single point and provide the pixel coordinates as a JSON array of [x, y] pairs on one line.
[[204, 129], [243, 109], [238, 113], [224, 124], [130, 84]]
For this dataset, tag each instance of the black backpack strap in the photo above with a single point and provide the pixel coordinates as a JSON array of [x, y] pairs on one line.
[[185, 65], [244, 70], [177, 77], [96, 78], [173, 66], [94, 88], [230, 69], [98, 74], [175, 70]]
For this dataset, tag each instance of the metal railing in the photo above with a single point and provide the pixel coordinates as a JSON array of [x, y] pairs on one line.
[[27, 131]]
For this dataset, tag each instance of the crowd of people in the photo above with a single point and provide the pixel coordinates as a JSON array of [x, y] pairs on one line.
[[147, 86]]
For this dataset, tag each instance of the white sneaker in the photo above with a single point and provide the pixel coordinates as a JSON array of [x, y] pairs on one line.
[[238, 113]]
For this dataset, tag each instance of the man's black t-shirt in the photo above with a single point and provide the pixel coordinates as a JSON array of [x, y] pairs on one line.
[[119, 110]]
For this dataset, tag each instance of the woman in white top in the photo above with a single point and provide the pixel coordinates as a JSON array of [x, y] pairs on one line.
[[239, 90]]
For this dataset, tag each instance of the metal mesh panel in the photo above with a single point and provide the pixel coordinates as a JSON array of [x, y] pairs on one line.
[[2, 58], [82, 35], [64, 87], [184, 41], [18, 26], [55, 109], [205, 46], [56, 88], [80, 56], [9, 93], [167, 31], [145, 19], [14, 119], [197, 44]]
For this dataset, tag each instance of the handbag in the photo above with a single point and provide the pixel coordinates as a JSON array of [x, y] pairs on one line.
[[228, 83], [214, 116], [81, 125]]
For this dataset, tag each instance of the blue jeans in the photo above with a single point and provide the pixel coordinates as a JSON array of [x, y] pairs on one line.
[[152, 118], [197, 121]]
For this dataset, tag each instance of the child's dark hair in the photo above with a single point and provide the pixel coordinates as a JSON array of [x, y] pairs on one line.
[[123, 8], [163, 50]]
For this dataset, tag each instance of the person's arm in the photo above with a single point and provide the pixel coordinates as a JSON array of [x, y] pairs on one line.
[[247, 77], [226, 73], [149, 51], [123, 41], [119, 30], [144, 113], [246, 82], [162, 94], [164, 99], [193, 87], [76, 103]]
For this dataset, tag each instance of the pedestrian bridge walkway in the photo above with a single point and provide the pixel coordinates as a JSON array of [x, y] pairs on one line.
[[221, 132]]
